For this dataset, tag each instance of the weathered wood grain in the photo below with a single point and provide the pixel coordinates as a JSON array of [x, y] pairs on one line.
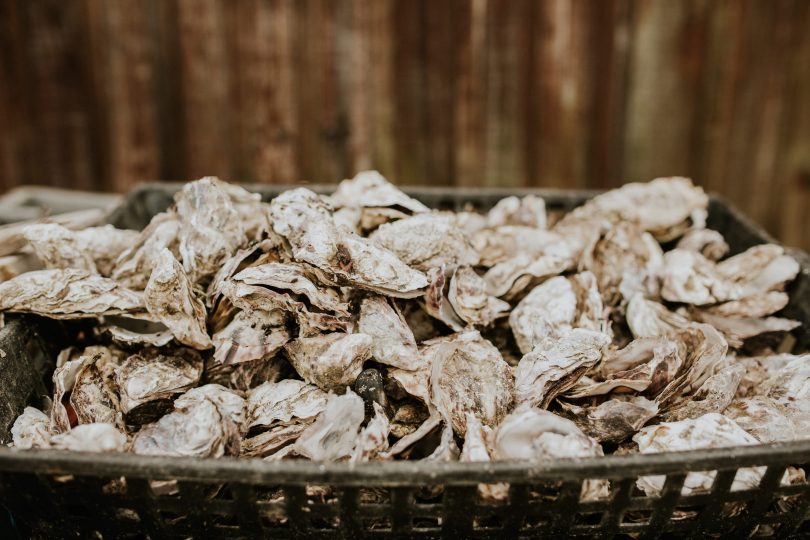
[[586, 94]]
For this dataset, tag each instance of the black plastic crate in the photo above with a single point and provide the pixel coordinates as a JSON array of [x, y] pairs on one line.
[[57, 494]]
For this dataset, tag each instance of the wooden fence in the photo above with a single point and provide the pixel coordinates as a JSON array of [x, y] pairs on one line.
[[102, 94]]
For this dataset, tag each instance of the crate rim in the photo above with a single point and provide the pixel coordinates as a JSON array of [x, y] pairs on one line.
[[258, 471]]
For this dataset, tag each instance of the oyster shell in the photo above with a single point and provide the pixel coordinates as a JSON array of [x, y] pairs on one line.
[[759, 269], [94, 249], [169, 297], [475, 449], [330, 361], [211, 228], [626, 260], [690, 278], [645, 365], [67, 294], [199, 430], [469, 375], [436, 304], [272, 442], [663, 207], [334, 432], [129, 332], [510, 277], [499, 244], [64, 379], [528, 211], [614, 420], [647, 318], [31, 429], [427, 240], [97, 437], [715, 394], [229, 404], [369, 190], [789, 387], [284, 402], [468, 297], [711, 430], [94, 397], [251, 335], [156, 374], [134, 265], [529, 433], [392, 342], [254, 298], [301, 217], [293, 277], [556, 364], [707, 242], [763, 418], [558, 304]]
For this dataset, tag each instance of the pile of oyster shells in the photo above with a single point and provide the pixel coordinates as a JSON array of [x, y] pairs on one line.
[[365, 326]]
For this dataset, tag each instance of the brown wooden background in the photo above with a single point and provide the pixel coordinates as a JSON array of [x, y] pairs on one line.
[[101, 94]]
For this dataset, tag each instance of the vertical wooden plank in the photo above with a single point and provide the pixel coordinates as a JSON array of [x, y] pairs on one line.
[[354, 54], [665, 68], [384, 81], [757, 133], [564, 90], [169, 99], [792, 204], [509, 77], [609, 49], [409, 99], [471, 91], [322, 120], [276, 130], [440, 67], [204, 88], [126, 75], [13, 102], [65, 146], [723, 66], [260, 93]]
